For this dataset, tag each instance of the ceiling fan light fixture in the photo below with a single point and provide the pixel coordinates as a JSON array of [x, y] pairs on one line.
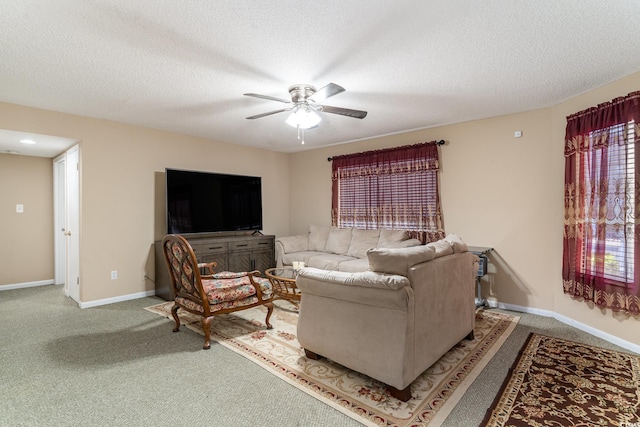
[[303, 118]]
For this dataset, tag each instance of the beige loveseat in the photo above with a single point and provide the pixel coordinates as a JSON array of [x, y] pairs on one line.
[[341, 249], [395, 321]]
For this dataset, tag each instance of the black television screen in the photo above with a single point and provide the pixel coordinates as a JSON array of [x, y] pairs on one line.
[[202, 202]]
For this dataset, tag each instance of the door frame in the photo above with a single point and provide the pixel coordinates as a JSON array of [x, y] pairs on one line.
[[67, 221]]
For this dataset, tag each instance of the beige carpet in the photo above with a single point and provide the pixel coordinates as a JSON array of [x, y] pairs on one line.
[[556, 382], [434, 393]]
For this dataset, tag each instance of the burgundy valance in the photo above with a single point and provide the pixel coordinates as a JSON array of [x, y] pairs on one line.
[[408, 158]]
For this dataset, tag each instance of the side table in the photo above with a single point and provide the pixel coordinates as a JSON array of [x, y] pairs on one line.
[[481, 252], [283, 282]]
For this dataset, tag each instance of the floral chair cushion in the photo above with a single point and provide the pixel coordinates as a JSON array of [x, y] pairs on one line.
[[226, 275], [229, 292]]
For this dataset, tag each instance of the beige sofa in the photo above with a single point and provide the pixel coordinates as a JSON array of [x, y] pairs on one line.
[[341, 249], [395, 321]]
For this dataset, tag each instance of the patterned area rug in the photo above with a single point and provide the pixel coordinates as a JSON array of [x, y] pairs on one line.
[[277, 350], [556, 382]]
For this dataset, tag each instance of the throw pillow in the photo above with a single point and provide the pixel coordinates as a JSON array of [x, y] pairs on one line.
[[338, 241], [441, 247], [457, 243], [406, 243], [318, 237], [398, 260], [391, 238], [361, 240]]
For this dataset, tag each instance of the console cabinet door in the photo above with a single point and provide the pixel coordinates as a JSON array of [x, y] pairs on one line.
[[240, 261], [221, 259], [251, 260], [263, 260]]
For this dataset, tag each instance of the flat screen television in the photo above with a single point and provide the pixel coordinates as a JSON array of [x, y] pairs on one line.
[[203, 202]]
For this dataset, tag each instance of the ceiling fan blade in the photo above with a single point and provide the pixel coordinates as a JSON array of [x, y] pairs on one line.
[[358, 114], [257, 116], [326, 92], [271, 98]]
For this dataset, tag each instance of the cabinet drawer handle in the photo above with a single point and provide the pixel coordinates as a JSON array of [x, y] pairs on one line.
[[216, 247], [241, 246], [263, 243]]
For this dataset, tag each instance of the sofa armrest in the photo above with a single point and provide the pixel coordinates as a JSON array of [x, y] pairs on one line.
[[367, 287], [367, 279], [290, 244], [444, 289]]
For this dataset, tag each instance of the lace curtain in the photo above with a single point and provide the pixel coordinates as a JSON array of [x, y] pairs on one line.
[[601, 192], [394, 188]]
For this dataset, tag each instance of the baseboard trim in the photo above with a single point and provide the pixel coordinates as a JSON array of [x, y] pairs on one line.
[[546, 313], [106, 301], [578, 325], [26, 285]]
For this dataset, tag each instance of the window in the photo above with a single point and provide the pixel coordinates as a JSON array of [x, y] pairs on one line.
[[395, 188], [619, 220], [601, 254]]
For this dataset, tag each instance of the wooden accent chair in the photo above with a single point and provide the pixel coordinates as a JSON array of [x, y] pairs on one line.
[[210, 294]]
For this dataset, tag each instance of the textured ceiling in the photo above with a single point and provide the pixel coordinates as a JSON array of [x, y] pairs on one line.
[[183, 65]]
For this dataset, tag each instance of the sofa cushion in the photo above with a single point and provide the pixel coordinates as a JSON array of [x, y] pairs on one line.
[[361, 241], [338, 241], [442, 248], [398, 260], [354, 266], [391, 238], [457, 243], [288, 259], [318, 237], [294, 243], [327, 261]]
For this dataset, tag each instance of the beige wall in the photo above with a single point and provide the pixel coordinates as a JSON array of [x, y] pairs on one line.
[[498, 191], [27, 238], [121, 167]]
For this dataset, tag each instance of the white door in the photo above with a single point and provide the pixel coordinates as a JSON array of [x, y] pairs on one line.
[[72, 230], [59, 221]]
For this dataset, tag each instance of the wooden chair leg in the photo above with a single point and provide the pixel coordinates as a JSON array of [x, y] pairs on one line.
[[206, 327], [269, 306], [174, 313], [403, 395]]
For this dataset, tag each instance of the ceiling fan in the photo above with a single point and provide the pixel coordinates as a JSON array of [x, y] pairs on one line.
[[305, 104]]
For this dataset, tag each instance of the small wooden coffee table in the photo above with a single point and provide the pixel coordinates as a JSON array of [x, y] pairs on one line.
[[283, 281]]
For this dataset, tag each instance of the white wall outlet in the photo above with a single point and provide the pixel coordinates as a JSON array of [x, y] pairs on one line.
[[517, 134], [114, 274], [20, 208]]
